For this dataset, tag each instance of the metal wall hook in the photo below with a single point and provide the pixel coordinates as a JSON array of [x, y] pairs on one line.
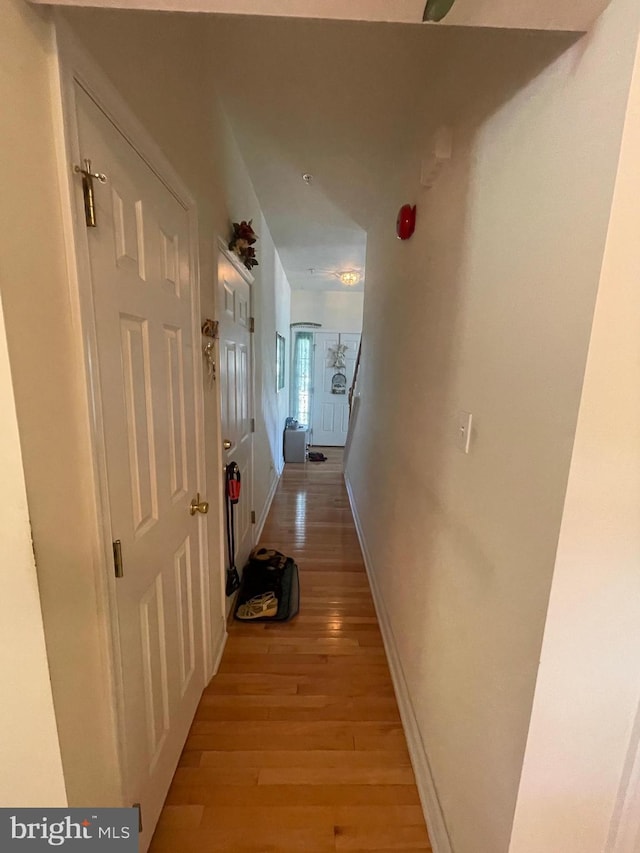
[[98, 176], [88, 178]]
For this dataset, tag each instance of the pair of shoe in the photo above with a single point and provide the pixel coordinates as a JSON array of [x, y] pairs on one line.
[[268, 557], [259, 606]]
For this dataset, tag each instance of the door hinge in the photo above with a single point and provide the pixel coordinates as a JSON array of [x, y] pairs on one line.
[[253, 424], [88, 178], [253, 516], [252, 324], [117, 559]]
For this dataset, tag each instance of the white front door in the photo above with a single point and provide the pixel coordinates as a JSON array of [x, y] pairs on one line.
[[236, 396], [143, 290], [330, 406]]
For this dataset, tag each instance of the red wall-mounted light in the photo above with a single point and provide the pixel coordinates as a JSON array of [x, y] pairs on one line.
[[406, 224]]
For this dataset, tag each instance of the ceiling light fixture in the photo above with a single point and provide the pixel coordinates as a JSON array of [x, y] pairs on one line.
[[307, 178], [349, 277]]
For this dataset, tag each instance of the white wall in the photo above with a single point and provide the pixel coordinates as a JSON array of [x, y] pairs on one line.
[[272, 303], [334, 309], [588, 686], [28, 736], [487, 309]]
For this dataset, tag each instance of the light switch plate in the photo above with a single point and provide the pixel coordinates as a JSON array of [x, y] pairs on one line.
[[463, 441]]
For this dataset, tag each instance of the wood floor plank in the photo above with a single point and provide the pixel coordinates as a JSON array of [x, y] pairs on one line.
[[308, 666], [221, 796], [242, 838], [329, 646], [379, 775], [327, 759], [273, 816], [190, 758], [345, 687], [241, 685], [378, 815], [194, 777], [297, 744], [180, 817], [354, 708], [376, 837], [322, 645], [234, 714], [236, 737], [284, 664]]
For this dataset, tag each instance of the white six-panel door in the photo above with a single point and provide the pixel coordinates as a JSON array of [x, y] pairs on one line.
[[236, 397], [329, 411], [143, 289]]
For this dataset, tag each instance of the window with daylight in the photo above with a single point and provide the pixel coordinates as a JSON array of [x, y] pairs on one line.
[[301, 384], [280, 363]]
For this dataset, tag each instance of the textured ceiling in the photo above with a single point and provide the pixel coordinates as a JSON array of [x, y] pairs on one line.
[[356, 105]]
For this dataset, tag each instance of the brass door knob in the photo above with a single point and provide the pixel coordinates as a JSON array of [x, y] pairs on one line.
[[227, 444], [198, 506]]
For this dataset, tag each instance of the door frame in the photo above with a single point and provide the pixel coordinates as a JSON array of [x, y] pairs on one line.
[[624, 829], [74, 67], [249, 278]]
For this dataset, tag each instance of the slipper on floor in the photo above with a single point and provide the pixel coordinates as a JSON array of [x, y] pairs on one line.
[[258, 607]]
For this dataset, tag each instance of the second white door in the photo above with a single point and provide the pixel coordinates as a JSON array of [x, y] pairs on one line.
[[236, 396], [330, 406]]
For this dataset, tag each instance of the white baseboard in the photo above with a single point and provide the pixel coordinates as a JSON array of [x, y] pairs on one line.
[[434, 817], [218, 646], [265, 509]]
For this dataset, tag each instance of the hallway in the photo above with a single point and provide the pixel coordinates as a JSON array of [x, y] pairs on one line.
[[297, 744]]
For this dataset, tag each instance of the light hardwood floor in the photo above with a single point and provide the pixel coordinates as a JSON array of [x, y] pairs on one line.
[[297, 743]]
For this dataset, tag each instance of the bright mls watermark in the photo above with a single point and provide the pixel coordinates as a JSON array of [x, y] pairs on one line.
[[102, 830]]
